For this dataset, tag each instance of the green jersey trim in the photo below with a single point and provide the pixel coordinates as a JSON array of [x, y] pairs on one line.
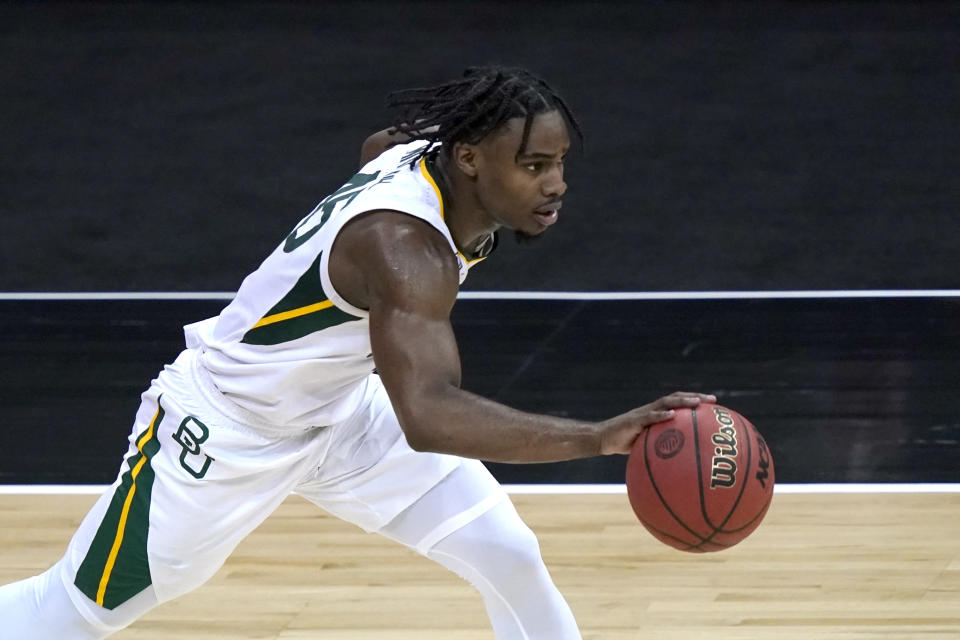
[[304, 310]]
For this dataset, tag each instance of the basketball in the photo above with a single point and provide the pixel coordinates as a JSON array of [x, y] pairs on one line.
[[701, 481]]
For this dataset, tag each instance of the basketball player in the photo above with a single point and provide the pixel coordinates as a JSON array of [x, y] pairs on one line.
[[334, 374]]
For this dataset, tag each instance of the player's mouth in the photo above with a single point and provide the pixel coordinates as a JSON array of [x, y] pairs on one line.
[[548, 213]]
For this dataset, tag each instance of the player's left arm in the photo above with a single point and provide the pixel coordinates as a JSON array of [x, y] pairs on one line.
[[382, 140], [377, 143]]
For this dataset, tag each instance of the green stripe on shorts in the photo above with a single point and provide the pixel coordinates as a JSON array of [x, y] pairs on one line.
[[116, 567]]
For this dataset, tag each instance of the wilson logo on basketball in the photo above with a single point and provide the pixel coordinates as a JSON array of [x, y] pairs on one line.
[[723, 472], [668, 444]]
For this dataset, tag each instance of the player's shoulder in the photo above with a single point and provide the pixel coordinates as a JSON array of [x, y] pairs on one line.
[[395, 258], [397, 174], [390, 233], [400, 181]]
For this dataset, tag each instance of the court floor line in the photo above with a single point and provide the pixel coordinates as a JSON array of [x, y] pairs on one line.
[[524, 295], [517, 489]]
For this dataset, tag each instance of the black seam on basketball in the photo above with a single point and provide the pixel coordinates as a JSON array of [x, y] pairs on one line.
[[663, 533], [696, 448], [703, 503], [743, 487], [696, 451], [708, 539], [759, 516], [653, 482], [766, 505], [763, 511], [700, 544]]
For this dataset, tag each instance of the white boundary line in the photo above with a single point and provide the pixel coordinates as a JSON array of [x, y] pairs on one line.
[[52, 489], [706, 295], [780, 488], [120, 295], [523, 295], [574, 489]]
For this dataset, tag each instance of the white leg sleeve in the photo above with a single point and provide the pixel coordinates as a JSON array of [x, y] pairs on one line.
[[43, 608], [468, 524]]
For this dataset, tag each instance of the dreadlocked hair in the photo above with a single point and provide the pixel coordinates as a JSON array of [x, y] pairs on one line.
[[472, 107]]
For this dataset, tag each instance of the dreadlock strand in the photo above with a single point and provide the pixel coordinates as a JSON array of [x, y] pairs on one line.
[[470, 108]]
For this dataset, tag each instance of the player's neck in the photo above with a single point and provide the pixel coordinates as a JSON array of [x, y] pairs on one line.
[[466, 218]]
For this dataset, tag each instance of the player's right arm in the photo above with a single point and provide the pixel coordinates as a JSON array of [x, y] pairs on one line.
[[402, 271]]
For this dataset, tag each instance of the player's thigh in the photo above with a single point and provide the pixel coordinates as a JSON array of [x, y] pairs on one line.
[[192, 485], [370, 474], [466, 495]]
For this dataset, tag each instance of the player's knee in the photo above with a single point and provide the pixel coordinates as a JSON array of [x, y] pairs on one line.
[[510, 554], [174, 578], [521, 549], [40, 607]]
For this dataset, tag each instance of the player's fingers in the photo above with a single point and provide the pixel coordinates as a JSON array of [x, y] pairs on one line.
[[682, 399], [645, 416], [654, 417], [704, 397]]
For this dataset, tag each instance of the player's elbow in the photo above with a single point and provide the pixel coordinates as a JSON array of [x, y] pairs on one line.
[[419, 441], [419, 433], [421, 423], [374, 145]]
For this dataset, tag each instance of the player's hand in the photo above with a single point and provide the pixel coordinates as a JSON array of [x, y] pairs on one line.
[[618, 433]]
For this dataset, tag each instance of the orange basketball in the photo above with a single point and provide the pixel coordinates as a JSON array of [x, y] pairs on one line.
[[701, 481]]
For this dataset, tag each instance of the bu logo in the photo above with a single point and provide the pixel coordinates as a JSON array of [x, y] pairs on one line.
[[190, 435]]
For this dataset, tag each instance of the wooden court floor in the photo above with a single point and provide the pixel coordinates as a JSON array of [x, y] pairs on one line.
[[838, 566]]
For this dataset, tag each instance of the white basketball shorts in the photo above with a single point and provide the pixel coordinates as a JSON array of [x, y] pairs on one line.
[[200, 474]]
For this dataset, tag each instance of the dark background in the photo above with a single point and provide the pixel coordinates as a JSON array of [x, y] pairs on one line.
[[729, 146], [843, 390], [170, 146]]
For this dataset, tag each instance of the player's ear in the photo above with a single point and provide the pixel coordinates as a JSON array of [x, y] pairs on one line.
[[465, 157]]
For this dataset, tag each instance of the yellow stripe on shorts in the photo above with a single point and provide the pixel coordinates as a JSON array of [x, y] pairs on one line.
[[116, 568]]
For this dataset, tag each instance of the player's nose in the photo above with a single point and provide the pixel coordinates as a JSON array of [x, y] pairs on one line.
[[554, 186]]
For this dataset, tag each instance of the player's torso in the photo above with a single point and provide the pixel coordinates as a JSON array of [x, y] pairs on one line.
[[288, 347]]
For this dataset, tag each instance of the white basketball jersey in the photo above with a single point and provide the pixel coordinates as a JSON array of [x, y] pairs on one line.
[[288, 348]]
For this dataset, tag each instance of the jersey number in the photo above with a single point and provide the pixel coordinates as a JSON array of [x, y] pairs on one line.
[[342, 196]]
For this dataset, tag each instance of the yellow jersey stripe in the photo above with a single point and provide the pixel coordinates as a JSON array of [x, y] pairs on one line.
[[433, 183], [118, 540], [293, 313]]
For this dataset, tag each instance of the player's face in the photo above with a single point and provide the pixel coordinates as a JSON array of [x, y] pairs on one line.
[[523, 192]]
